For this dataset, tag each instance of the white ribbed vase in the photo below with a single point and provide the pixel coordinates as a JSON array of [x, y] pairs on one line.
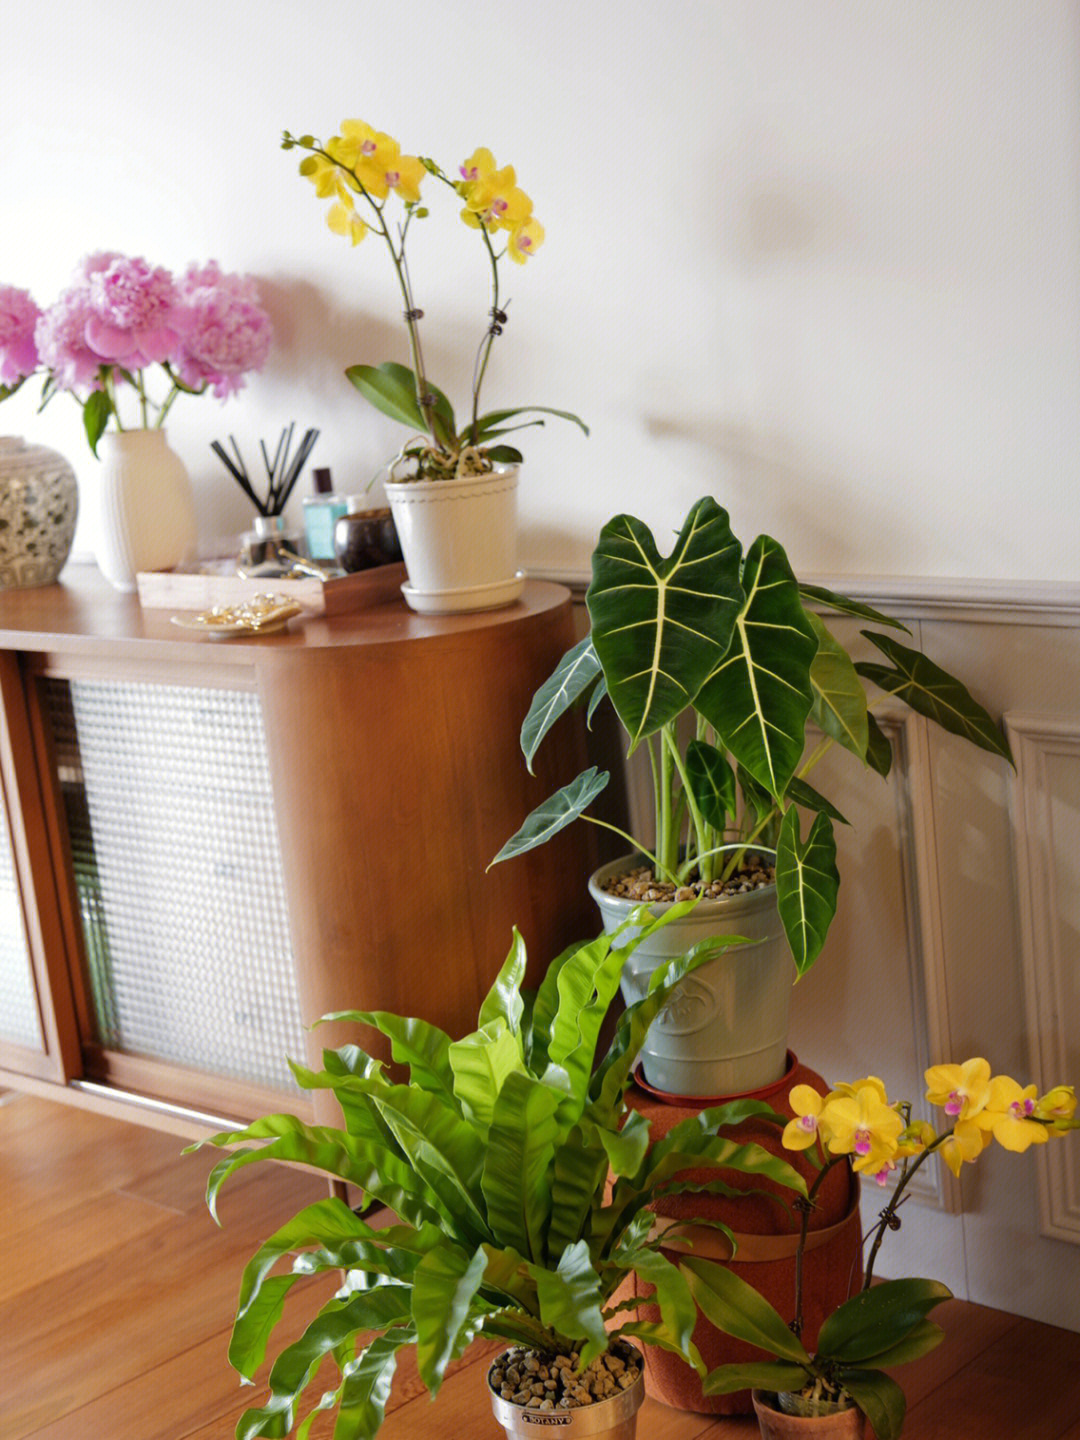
[[147, 512]]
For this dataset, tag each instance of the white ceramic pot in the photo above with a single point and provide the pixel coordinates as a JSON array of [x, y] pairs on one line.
[[39, 500], [724, 1031], [147, 513], [459, 541]]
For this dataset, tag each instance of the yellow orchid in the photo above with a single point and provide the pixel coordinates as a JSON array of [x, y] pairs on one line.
[[496, 202], [853, 1089], [480, 164], [1058, 1108], [363, 162], [915, 1139], [966, 1143], [864, 1125], [328, 177], [1009, 1113], [800, 1133], [961, 1090], [343, 220], [525, 241]]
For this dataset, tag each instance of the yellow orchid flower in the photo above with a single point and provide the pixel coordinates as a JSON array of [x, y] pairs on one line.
[[877, 1165], [862, 1124], [916, 1138], [327, 177], [1008, 1115], [479, 165], [343, 220], [800, 1133], [496, 203], [961, 1090], [853, 1089], [525, 241], [966, 1143], [1058, 1107]]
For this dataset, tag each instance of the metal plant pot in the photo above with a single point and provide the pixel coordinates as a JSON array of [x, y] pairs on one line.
[[725, 1030], [612, 1419]]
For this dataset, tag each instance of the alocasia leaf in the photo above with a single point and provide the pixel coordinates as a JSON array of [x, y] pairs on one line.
[[932, 692], [661, 624], [807, 883], [757, 697]]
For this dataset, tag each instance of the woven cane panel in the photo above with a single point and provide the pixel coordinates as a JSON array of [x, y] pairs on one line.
[[178, 873], [19, 1020]]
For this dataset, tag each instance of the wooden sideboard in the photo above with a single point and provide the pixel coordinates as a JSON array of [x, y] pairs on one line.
[[212, 843]]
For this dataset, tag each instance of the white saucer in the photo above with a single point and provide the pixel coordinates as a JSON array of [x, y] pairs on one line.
[[465, 597]]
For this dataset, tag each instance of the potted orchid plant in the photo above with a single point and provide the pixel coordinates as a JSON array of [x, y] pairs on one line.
[[120, 325], [458, 556], [801, 1389]]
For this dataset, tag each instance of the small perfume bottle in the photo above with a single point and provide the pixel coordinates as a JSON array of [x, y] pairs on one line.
[[321, 512]]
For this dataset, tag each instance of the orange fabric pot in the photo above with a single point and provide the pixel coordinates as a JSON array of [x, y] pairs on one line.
[[767, 1236]]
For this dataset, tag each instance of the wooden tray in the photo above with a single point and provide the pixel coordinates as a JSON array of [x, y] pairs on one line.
[[201, 590]]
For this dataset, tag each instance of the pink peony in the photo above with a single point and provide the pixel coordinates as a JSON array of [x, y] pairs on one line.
[[18, 353], [91, 265], [61, 341], [211, 277], [132, 313], [225, 332]]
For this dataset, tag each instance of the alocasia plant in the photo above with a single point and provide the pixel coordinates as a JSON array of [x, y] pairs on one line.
[[716, 660]]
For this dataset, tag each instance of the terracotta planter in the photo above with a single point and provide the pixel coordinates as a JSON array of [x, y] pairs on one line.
[[147, 513], [775, 1425], [767, 1239], [459, 540], [611, 1419], [725, 1031]]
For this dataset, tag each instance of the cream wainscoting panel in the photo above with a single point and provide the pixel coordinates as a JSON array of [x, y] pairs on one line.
[[1046, 823]]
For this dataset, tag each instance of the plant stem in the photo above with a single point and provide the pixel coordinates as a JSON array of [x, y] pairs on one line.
[[806, 1208], [424, 401], [636, 845], [884, 1223], [667, 843], [492, 330]]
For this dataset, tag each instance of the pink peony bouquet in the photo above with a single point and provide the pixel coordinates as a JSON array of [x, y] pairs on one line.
[[120, 317]]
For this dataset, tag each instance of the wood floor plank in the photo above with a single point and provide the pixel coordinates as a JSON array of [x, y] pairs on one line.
[[1025, 1386], [174, 1399], [150, 1298], [969, 1331]]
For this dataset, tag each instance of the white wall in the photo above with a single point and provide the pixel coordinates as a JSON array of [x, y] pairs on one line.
[[817, 257]]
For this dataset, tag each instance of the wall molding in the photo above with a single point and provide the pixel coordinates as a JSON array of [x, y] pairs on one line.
[[999, 602], [925, 950], [1036, 741]]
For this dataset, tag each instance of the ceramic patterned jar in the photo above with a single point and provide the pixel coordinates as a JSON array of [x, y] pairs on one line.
[[39, 500]]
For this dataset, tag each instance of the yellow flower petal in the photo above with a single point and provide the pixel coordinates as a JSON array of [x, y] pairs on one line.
[[961, 1090], [525, 241], [344, 220]]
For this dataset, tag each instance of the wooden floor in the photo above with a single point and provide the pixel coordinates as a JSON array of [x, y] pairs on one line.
[[117, 1295]]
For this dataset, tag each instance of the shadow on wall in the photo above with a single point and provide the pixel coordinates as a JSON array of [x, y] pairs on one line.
[[825, 510], [316, 336]]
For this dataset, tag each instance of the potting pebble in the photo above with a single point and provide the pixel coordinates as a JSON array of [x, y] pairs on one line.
[[552, 1382], [641, 884]]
